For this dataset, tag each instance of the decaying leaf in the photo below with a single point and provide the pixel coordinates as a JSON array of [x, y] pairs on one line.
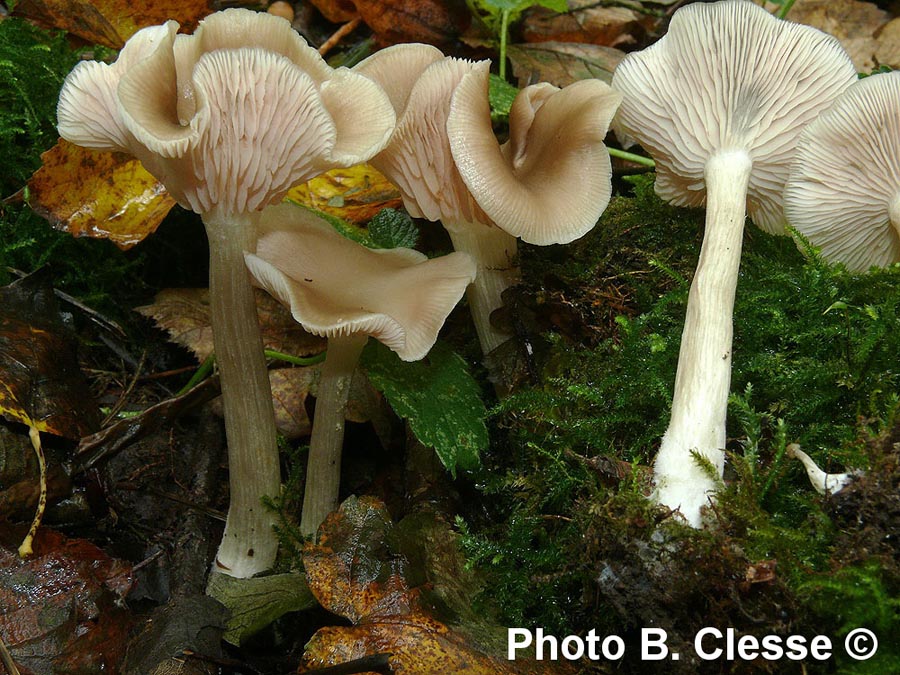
[[110, 22], [857, 25], [62, 611], [358, 571], [41, 384], [336, 11], [98, 194], [184, 314], [354, 194], [562, 63], [586, 21]]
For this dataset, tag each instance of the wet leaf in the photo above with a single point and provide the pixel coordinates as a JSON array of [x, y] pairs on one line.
[[110, 22], [336, 11], [587, 22], [562, 63], [439, 397], [390, 228], [62, 611], [355, 194], [41, 384], [435, 22], [98, 194], [357, 570]]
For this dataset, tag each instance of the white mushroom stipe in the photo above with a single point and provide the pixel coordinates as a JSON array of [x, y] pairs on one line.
[[719, 102], [228, 119], [824, 483], [397, 296]]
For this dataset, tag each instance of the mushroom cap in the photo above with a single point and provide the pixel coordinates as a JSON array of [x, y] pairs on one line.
[[728, 76], [843, 189], [228, 118], [336, 287], [551, 181], [420, 82]]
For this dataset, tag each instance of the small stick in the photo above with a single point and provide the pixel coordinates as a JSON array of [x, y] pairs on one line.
[[339, 35], [6, 660]]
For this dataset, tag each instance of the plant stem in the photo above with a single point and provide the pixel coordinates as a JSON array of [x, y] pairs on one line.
[[504, 36], [323, 469], [249, 543], [493, 251], [785, 8], [631, 157], [703, 379]]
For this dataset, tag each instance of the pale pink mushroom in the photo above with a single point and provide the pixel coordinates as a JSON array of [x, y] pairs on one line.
[[229, 118], [719, 103], [346, 292], [549, 184]]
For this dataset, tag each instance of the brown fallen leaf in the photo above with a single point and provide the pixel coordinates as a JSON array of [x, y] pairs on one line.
[[62, 612], [354, 194], [435, 22], [98, 194], [110, 22], [562, 63], [184, 314], [857, 25], [586, 21], [355, 572], [41, 384], [336, 11]]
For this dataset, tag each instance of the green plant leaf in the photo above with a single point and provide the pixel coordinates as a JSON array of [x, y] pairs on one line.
[[390, 228], [501, 94], [438, 396]]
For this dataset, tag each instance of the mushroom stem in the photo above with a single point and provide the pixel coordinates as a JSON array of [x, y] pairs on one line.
[[493, 251], [703, 378], [249, 544], [323, 468]]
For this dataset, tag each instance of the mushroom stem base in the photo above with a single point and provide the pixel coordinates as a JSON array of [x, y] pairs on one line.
[[494, 252], [703, 378], [249, 543], [323, 469]]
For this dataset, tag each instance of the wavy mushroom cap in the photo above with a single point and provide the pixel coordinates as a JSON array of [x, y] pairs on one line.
[[229, 118], [843, 192], [420, 82], [728, 76], [336, 287], [551, 181]]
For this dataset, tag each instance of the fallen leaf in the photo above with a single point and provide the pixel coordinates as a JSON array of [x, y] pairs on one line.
[[107, 195], [184, 314], [336, 11], [62, 611], [587, 22], [435, 22], [355, 194], [290, 387], [356, 572], [855, 24], [41, 384], [110, 22], [562, 63]]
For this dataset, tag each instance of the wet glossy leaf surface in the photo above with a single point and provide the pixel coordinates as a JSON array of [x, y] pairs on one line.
[[354, 194], [98, 194], [61, 611], [40, 381], [110, 22]]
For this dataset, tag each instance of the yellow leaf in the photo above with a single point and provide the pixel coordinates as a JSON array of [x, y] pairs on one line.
[[98, 194], [355, 194]]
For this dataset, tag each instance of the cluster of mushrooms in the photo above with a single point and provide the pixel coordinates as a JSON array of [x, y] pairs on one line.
[[231, 117]]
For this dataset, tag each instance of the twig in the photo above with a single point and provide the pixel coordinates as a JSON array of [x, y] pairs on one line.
[[377, 663], [121, 402], [6, 660], [339, 35]]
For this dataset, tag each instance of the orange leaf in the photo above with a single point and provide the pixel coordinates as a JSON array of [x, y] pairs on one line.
[[110, 22], [98, 194]]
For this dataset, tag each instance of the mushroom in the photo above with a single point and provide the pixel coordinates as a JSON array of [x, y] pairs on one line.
[[719, 102], [397, 296], [548, 184], [228, 119], [843, 192], [823, 483]]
